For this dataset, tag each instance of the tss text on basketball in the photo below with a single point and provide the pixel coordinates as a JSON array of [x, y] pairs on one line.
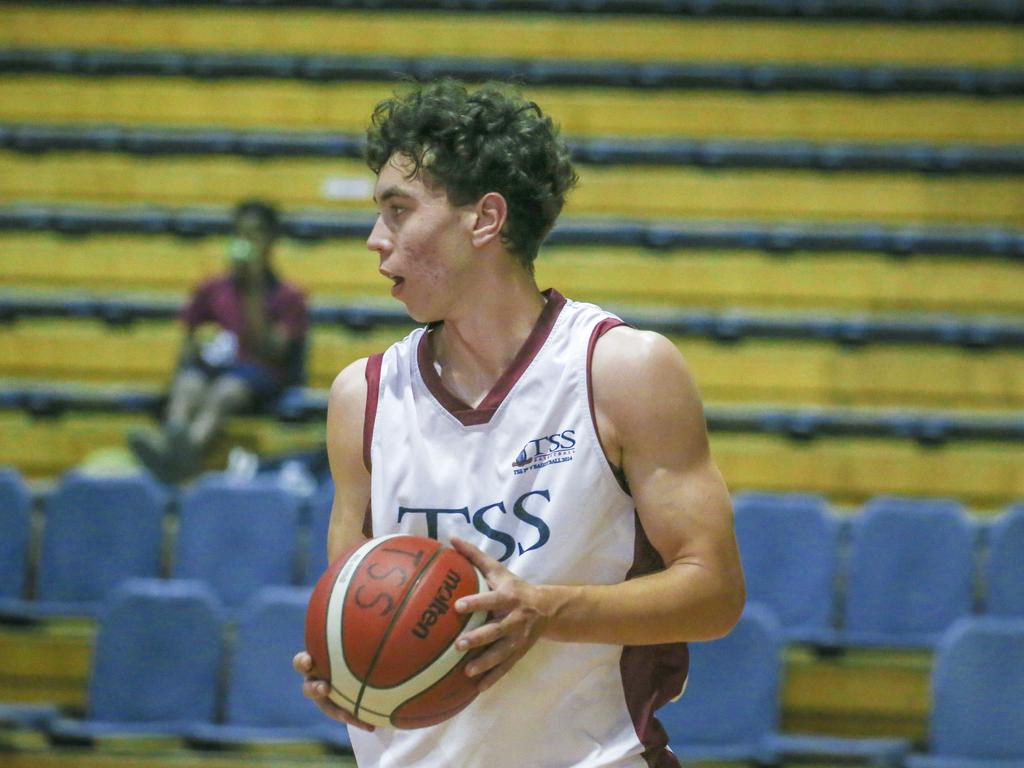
[[381, 627]]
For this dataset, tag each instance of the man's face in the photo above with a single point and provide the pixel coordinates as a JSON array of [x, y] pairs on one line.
[[423, 241], [251, 232]]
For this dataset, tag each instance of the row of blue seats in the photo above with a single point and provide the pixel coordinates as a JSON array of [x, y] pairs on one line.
[[534, 72], [905, 10], [172, 634], [731, 708], [723, 153], [784, 238], [301, 404], [726, 327], [898, 573], [235, 535]]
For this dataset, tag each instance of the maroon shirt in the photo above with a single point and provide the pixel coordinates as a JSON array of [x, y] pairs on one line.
[[220, 300]]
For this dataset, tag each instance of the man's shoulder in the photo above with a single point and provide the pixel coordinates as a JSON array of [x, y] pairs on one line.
[[626, 360], [623, 343], [349, 388], [291, 291], [220, 281]]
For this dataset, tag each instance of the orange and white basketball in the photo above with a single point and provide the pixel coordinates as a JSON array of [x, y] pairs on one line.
[[381, 627]]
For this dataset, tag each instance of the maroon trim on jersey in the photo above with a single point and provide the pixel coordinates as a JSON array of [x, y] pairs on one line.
[[368, 521], [465, 413], [600, 330], [373, 363], [652, 675]]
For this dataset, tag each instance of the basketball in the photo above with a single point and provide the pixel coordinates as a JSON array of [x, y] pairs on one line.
[[381, 627]]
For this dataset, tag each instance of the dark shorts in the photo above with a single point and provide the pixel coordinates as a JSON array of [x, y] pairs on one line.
[[264, 387]]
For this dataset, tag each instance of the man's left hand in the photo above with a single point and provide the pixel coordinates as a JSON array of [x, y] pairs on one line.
[[515, 622]]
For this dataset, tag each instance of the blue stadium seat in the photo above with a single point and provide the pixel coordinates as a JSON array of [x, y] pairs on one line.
[[159, 649], [731, 702], [790, 549], [1004, 575], [319, 518], [15, 535], [97, 532], [910, 572], [238, 536], [977, 716], [264, 701], [15, 529], [731, 708]]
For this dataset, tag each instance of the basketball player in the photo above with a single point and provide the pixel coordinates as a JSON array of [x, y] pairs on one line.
[[561, 451]]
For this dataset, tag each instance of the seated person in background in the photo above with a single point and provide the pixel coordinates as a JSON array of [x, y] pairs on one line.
[[245, 342]]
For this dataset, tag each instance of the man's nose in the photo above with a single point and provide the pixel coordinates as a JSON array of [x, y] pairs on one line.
[[380, 238]]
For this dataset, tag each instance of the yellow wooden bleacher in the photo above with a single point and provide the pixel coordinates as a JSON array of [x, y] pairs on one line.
[[858, 694], [344, 270], [988, 475], [753, 371], [518, 35], [44, 448], [345, 107], [642, 192]]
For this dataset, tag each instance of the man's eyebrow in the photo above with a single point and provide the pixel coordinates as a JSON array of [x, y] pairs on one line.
[[391, 192]]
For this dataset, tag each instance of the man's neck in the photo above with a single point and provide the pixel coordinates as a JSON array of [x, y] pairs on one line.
[[478, 342]]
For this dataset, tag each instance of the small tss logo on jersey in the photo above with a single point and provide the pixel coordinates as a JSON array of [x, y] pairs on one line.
[[550, 449]]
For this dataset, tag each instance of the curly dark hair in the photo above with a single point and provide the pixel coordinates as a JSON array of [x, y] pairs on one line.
[[490, 139]]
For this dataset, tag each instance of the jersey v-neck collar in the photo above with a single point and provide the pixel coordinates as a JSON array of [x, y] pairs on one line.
[[482, 414]]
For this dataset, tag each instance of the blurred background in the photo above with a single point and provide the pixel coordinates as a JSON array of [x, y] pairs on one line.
[[819, 201]]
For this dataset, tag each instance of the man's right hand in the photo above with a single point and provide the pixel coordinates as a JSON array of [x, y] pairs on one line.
[[317, 690]]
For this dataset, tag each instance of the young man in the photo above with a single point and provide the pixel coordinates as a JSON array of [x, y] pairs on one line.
[[254, 326], [564, 453]]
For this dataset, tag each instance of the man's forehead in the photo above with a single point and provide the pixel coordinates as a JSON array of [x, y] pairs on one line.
[[400, 177]]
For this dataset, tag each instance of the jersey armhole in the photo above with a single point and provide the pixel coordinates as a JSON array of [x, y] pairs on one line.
[[600, 330], [373, 365]]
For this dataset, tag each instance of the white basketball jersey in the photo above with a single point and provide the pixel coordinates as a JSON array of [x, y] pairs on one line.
[[524, 477]]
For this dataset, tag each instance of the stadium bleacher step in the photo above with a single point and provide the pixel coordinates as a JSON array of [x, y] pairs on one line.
[[659, 236], [697, 276], [584, 111], [765, 195], [814, 361], [509, 33], [532, 72], [942, 159]]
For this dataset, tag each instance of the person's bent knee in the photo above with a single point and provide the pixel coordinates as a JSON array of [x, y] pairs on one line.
[[190, 382], [231, 393]]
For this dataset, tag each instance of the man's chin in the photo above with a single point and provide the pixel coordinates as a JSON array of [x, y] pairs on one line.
[[419, 314], [421, 318]]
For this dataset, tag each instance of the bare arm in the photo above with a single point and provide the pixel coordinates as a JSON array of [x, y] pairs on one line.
[[345, 411], [652, 425]]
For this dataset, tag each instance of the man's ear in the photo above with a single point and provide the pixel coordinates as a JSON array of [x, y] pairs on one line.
[[491, 213]]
